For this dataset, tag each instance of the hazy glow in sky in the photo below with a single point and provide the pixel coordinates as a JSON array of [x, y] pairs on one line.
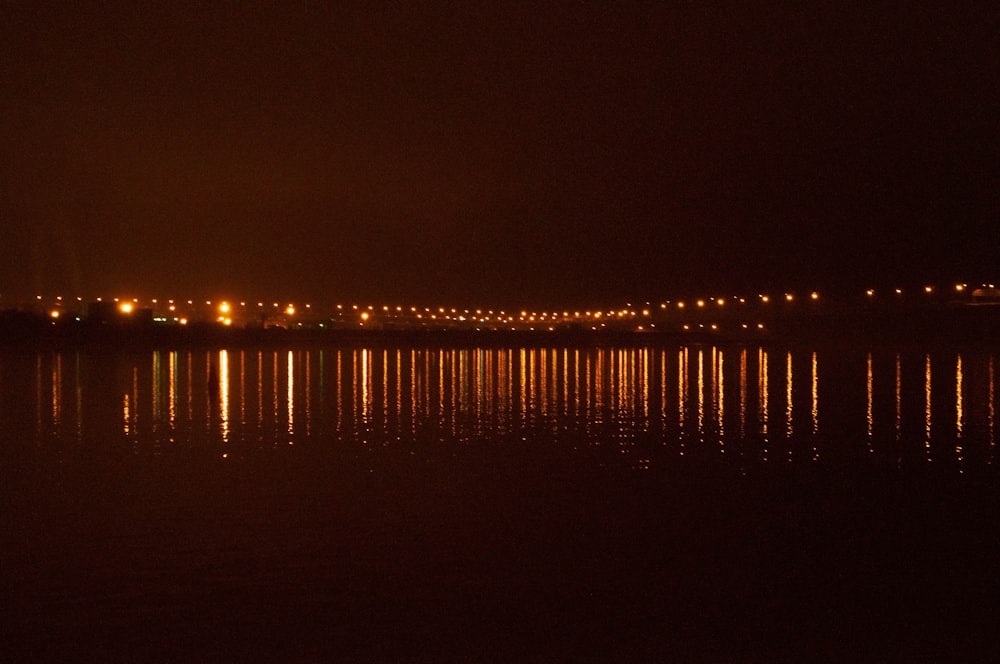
[[528, 155]]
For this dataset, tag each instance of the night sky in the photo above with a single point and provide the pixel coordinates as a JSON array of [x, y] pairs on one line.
[[495, 153]]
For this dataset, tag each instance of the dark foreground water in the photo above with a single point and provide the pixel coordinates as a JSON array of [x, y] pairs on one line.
[[523, 504]]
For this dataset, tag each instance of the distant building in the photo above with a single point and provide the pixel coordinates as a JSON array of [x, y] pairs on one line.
[[102, 313], [986, 295]]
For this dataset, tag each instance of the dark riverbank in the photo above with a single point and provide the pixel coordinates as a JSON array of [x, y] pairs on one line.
[[493, 554], [968, 325]]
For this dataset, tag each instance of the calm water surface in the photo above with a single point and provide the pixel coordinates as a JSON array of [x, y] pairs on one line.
[[670, 503], [637, 406]]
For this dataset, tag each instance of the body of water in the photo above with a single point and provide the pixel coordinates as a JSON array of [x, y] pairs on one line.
[[680, 502]]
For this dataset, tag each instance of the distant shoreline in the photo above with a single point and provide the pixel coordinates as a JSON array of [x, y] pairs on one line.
[[965, 325]]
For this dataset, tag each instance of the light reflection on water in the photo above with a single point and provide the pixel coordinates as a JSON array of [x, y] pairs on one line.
[[646, 403], [927, 405]]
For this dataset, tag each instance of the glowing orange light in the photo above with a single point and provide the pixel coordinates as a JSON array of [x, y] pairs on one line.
[[869, 292], [125, 307], [928, 289], [814, 295], [364, 315], [701, 303], [720, 301], [789, 297], [224, 307], [765, 298], [54, 314], [960, 287]]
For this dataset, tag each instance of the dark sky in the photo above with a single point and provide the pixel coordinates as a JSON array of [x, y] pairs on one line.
[[495, 153]]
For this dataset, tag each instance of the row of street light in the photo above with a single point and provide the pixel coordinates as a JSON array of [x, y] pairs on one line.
[[227, 312]]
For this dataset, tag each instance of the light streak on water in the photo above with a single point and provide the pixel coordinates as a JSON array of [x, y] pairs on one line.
[[927, 406], [788, 395], [135, 399], [126, 415], [762, 392], [870, 392], [157, 385], [190, 392], [814, 391], [56, 387], [307, 393], [224, 394], [743, 392], [243, 390], [274, 386], [701, 395], [682, 388], [959, 415], [172, 390], [720, 398]]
